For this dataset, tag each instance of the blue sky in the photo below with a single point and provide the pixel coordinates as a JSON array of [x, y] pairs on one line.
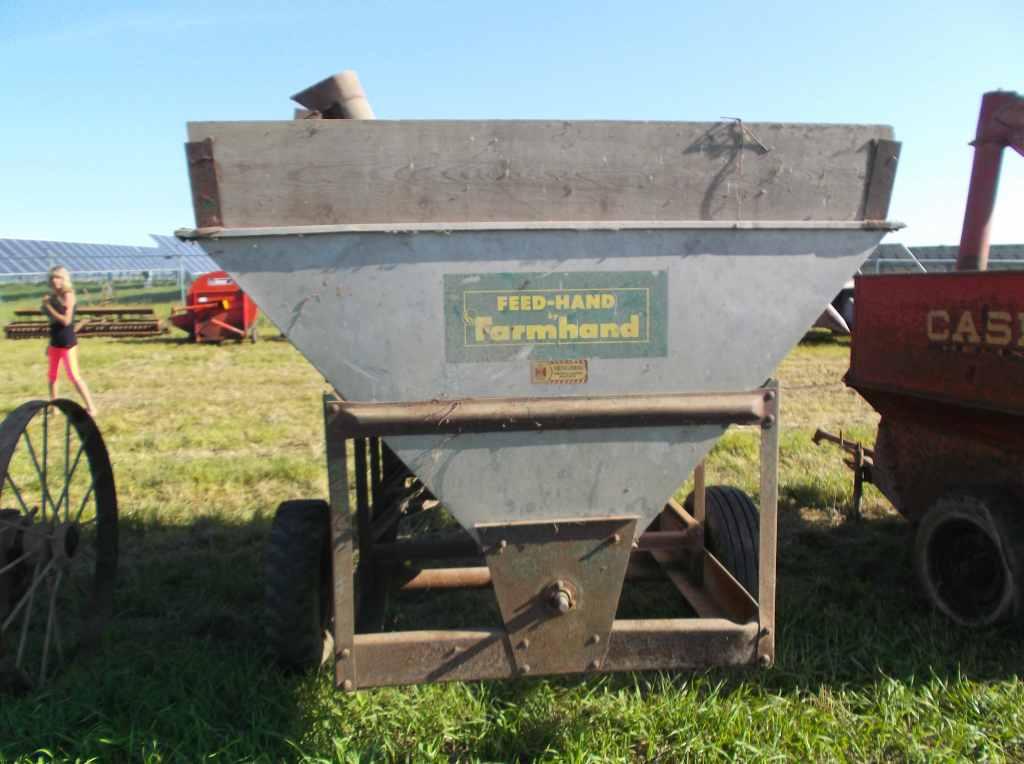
[[97, 94]]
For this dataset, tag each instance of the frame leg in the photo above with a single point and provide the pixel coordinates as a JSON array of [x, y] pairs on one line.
[[768, 541], [342, 574]]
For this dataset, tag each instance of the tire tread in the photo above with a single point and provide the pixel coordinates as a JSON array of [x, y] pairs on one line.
[[293, 567]]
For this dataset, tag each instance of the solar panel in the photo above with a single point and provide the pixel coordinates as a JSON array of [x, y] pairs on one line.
[[889, 258], [20, 258]]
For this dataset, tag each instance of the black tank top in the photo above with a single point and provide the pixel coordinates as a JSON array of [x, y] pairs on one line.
[[62, 336]]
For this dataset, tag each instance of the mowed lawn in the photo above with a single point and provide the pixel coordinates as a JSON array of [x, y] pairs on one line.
[[206, 441]]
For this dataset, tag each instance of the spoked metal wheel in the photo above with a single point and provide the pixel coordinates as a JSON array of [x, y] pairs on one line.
[[58, 538]]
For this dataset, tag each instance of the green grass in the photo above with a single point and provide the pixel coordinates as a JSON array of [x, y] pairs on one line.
[[206, 441]]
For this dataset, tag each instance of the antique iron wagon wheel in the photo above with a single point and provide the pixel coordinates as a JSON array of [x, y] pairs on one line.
[[969, 558], [58, 538]]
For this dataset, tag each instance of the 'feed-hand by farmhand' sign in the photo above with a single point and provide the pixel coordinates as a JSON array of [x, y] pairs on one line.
[[505, 316]]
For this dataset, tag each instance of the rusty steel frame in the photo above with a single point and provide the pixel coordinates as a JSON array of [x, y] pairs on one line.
[[517, 414], [731, 627], [479, 576]]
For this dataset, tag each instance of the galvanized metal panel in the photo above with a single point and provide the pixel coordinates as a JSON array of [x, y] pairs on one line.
[[368, 310], [487, 478]]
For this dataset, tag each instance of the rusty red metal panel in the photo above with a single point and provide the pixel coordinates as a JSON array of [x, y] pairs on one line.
[[956, 338], [925, 450]]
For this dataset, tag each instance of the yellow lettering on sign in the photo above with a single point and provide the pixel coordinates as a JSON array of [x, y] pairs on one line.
[[631, 329], [567, 331], [540, 332], [502, 302], [998, 329], [486, 331], [965, 331], [481, 327], [937, 319]]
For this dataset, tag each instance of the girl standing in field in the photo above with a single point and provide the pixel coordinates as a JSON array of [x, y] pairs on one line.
[[59, 305]]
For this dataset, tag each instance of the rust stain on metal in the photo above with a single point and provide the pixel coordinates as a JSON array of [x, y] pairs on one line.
[[202, 169], [558, 585], [577, 412], [881, 178], [445, 578]]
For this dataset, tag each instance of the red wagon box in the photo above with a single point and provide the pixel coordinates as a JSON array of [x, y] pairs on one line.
[[956, 338]]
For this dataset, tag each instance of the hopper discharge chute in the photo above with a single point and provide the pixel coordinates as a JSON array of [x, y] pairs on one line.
[[549, 324]]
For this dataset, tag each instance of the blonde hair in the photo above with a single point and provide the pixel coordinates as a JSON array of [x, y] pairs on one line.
[[61, 271]]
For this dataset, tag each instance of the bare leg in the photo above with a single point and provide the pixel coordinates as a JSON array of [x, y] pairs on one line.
[[54, 370], [78, 382]]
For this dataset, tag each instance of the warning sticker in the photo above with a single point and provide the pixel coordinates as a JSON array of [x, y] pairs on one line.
[[558, 372]]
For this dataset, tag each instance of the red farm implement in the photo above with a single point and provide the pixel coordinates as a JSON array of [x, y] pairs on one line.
[[92, 322], [216, 309], [941, 357]]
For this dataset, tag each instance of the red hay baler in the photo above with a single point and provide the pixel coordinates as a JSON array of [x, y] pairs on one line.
[[216, 309]]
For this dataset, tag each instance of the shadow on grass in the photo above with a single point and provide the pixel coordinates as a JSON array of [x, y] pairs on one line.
[[180, 338], [174, 337], [849, 607], [183, 671], [818, 337]]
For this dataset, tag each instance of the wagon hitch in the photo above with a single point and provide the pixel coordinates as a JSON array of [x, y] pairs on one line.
[[861, 461]]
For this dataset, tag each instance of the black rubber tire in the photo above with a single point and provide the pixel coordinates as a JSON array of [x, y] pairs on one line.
[[298, 585], [969, 559], [844, 305], [731, 532]]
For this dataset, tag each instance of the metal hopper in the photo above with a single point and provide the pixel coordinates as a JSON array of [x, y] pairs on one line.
[[549, 324]]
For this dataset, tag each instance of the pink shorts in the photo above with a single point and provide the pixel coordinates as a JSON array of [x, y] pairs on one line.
[[58, 356]]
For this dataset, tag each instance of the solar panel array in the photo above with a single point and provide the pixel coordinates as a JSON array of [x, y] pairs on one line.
[[897, 258], [26, 258]]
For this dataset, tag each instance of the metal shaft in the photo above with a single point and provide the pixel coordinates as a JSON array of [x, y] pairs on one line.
[[510, 414], [340, 96], [993, 134]]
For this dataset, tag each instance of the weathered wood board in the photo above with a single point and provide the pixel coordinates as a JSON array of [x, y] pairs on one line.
[[326, 172]]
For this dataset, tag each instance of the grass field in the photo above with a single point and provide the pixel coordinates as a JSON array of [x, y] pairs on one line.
[[206, 441]]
